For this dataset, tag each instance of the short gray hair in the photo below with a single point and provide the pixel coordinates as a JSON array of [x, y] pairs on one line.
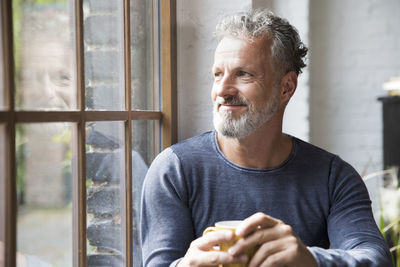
[[287, 50]]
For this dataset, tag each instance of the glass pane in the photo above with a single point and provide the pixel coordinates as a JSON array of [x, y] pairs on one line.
[[2, 192], [44, 54], [144, 142], [44, 189], [104, 68], [144, 56], [105, 173], [144, 139]]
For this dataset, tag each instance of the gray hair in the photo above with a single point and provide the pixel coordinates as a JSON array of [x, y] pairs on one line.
[[287, 49]]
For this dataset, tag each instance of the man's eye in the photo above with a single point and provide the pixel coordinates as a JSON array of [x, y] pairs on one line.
[[217, 74], [243, 74]]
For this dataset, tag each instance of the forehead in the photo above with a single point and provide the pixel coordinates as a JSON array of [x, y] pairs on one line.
[[242, 50]]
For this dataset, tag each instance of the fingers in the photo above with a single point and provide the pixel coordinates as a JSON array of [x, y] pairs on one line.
[[260, 237], [210, 258], [276, 260], [290, 254], [200, 252], [278, 230], [214, 258], [278, 244], [212, 239], [254, 222], [271, 252]]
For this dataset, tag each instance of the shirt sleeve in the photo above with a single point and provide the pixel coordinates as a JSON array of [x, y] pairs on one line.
[[354, 236], [166, 225]]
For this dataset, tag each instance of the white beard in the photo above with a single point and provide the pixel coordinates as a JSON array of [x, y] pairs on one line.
[[251, 120]]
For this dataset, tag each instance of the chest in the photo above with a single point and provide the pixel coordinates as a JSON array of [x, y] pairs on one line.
[[299, 201]]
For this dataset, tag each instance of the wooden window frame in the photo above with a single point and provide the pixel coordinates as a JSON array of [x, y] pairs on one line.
[[10, 117]]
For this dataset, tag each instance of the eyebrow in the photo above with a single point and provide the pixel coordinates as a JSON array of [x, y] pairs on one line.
[[241, 67]]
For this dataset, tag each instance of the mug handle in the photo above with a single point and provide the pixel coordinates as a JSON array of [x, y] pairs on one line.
[[209, 229]]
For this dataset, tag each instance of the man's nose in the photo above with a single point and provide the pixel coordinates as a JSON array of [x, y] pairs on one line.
[[226, 86]]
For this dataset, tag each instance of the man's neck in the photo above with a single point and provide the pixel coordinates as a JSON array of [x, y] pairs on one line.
[[264, 148]]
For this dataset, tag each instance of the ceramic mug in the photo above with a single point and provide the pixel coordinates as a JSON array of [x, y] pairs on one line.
[[230, 226]]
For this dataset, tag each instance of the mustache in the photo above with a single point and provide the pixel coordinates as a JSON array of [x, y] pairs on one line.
[[232, 100]]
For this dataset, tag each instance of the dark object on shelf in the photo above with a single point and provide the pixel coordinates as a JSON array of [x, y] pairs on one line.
[[391, 130]]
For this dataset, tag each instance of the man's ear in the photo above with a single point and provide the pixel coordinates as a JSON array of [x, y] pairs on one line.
[[288, 86]]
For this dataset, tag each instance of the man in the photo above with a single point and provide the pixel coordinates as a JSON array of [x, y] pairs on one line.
[[309, 207]]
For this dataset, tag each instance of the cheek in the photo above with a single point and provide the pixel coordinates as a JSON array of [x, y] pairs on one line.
[[254, 92], [263, 90]]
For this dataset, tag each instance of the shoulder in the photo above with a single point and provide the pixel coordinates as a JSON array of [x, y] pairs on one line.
[[306, 148], [313, 153], [164, 177], [342, 180], [164, 164], [194, 145], [169, 165], [332, 164], [185, 148]]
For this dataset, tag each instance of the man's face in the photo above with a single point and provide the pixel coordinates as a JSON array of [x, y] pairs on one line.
[[245, 92]]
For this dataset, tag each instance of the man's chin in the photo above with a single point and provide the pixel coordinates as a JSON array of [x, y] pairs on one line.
[[229, 129], [229, 115], [233, 134]]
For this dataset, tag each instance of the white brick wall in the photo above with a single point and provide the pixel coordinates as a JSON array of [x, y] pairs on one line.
[[354, 49]]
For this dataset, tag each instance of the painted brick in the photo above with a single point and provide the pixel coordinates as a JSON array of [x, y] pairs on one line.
[[353, 51], [104, 66], [102, 29], [105, 97], [102, 5]]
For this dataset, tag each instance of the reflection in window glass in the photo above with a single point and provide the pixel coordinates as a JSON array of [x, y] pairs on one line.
[[103, 39], [144, 143], [143, 56], [2, 193], [44, 190], [144, 139], [105, 174], [43, 53]]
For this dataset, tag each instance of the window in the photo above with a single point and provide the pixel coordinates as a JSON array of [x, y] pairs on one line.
[[87, 99]]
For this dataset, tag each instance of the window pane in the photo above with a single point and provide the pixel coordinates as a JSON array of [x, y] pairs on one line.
[[2, 192], [144, 139], [105, 181], [44, 54], [104, 68], [142, 155], [44, 189], [144, 56]]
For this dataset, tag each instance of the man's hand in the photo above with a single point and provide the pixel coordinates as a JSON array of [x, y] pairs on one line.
[[279, 246], [201, 253]]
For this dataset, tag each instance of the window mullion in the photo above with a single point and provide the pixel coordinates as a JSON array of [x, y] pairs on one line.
[[127, 185], [79, 181], [8, 55], [10, 174], [10, 198], [168, 72]]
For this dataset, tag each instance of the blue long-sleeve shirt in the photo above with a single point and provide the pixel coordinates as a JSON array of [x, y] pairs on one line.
[[192, 185]]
